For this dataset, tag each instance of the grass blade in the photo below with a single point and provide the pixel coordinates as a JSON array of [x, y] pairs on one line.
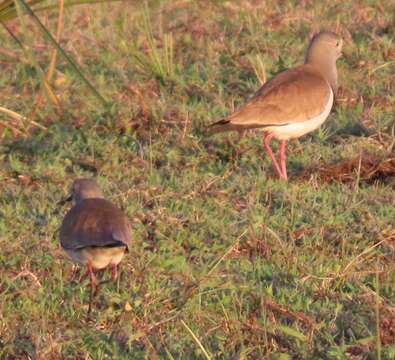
[[58, 32], [30, 55], [195, 338], [377, 315], [291, 332], [71, 62]]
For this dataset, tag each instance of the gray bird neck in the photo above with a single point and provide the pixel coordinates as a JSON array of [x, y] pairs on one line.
[[326, 66]]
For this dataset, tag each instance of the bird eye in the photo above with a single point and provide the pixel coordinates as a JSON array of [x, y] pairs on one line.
[[338, 43]]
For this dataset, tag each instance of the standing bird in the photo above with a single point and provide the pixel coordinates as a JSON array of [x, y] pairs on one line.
[[94, 232], [293, 103]]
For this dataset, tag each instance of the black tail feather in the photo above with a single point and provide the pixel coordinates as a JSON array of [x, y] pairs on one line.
[[221, 122], [219, 126]]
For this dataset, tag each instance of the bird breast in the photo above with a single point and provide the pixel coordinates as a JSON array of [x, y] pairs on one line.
[[100, 257]]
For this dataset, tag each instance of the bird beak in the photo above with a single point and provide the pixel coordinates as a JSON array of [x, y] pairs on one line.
[[65, 200]]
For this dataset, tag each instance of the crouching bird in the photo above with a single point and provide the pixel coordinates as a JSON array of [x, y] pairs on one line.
[[94, 232], [293, 103]]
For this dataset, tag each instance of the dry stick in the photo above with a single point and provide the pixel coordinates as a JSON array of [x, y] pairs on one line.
[[223, 256], [164, 321], [27, 273], [29, 54], [52, 63], [57, 37], [204, 277], [21, 118], [155, 355], [377, 313], [208, 357], [357, 181], [64, 54], [277, 238], [348, 266], [369, 292], [382, 65], [353, 261], [186, 123]]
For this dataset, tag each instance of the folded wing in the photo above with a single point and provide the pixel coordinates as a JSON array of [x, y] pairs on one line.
[[293, 96], [95, 223]]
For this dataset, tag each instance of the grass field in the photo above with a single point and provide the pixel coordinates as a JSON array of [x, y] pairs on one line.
[[228, 261]]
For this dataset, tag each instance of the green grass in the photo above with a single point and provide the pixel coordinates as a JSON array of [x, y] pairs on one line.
[[228, 262]]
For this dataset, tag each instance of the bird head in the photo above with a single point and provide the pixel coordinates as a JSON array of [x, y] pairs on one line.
[[326, 46], [84, 189]]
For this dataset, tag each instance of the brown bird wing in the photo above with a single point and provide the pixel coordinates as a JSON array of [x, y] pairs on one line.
[[95, 222], [296, 95]]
